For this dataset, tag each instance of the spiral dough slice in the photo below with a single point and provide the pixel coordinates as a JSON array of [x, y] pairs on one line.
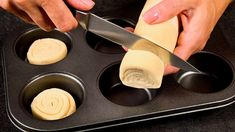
[[53, 104], [141, 69], [46, 51]]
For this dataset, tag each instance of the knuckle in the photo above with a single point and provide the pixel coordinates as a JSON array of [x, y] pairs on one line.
[[44, 3], [21, 2], [67, 26], [40, 22]]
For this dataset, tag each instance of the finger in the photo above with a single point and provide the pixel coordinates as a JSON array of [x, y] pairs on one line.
[[130, 29], [192, 39], [184, 48], [81, 4], [125, 48], [183, 52], [11, 8], [170, 70], [40, 18], [59, 14], [36, 14], [194, 36], [167, 9]]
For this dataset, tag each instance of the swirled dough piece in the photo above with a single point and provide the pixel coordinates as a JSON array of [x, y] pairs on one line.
[[141, 69], [46, 51], [53, 104]]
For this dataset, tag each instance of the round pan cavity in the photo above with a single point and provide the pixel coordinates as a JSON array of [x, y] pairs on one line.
[[105, 46], [112, 88], [62, 81], [219, 71], [23, 43]]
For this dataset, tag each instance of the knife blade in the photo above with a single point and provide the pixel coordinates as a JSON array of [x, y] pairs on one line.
[[119, 35]]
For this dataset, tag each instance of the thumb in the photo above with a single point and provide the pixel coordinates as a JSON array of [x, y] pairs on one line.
[[165, 10], [183, 53]]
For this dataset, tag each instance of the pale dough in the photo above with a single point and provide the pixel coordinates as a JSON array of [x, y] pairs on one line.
[[164, 34], [53, 104], [140, 69], [143, 68], [46, 51]]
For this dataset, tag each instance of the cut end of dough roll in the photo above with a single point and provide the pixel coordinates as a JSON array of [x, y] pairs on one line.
[[46, 51], [53, 104], [141, 69]]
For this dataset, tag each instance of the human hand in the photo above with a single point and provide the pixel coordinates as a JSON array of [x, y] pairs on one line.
[[47, 14], [198, 18]]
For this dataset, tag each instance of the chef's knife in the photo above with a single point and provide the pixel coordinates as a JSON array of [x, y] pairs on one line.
[[119, 35]]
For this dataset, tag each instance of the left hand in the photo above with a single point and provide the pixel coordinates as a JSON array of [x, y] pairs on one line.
[[47, 14]]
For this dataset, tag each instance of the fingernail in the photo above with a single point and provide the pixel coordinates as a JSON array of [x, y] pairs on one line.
[[89, 3], [151, 16], [125, 48]]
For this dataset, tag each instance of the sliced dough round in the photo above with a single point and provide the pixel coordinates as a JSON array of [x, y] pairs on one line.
[[46, 51], [141, 69], [53, 104]]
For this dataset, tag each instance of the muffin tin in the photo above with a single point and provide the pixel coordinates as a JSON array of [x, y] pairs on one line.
[[90, 74]]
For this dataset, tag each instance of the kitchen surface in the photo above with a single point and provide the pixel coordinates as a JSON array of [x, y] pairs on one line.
[[215, 120]]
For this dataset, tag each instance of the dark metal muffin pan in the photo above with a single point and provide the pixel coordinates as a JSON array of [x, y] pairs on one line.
[[90, 74]]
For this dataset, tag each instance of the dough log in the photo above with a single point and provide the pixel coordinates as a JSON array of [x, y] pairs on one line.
[[53, 104], [141, 67], [46, 51]]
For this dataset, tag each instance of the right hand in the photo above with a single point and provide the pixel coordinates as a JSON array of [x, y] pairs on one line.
[[198, 19], [47, 14]]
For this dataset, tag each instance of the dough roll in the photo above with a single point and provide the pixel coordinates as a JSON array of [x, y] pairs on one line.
[[140, 67], [46, 51], [141, 75], [53, 104]]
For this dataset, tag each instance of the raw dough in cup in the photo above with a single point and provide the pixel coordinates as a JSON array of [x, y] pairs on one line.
[[53, 104], [46, 51]]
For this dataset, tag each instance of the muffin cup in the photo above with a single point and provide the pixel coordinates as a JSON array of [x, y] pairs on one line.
[[113, 89], [66, 82], [25, 40], [217, 73]]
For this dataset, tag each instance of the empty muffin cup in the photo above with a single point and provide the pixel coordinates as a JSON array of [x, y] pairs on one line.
[[112, 88], [24, 41], [53, 81], [218, 73], [105, 46]]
